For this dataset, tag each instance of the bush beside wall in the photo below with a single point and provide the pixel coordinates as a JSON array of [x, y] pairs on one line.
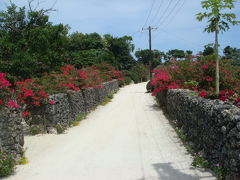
[[212, 126]]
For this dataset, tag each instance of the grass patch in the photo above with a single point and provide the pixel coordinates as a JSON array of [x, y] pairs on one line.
[[61, 128], [23, 160], [107, 100], [34, 130], [75, 123], [7, 164], [81, 116]]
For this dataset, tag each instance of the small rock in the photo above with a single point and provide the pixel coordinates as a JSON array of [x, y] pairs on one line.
[[224, 130], [51, 130], [238, 126]]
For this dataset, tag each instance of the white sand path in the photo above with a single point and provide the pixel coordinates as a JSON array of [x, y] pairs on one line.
[[128, 139]]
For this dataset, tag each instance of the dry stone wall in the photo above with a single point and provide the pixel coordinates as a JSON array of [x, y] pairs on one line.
[[213, 126], [68, 106], [65, 109], [11, 131]]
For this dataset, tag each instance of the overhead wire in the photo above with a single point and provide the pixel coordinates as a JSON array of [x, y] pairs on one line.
[[157, 12], [169, 14], [166, 10], [184, 1], [149, 14], [176, 12]]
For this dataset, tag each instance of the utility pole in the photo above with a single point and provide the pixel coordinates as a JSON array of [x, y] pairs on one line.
[[150, 48]]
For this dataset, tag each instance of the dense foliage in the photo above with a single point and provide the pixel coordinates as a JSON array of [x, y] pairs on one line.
[[31, 45], [199, 75]]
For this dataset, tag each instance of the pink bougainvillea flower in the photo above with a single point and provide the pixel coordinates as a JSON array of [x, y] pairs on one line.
[[202, 94], [25, 114], [43, 94], [222, 93], [13, 104], [51, 102], [29, 80], [223, 98], [28, 93], [204, 67], [237, 100], [3, 81], [230, 93], [121, 79], [1, 102], [209, 79]]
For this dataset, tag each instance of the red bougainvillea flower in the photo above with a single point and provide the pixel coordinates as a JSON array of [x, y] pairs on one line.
[[121, 79], [3, 81], [28, 93], [230, 93], [162, 76], [51, 102], [13, 104], [1, 102], [204, 67], [25, 114], [223, 98], [222, 93], [237, 100], [202, 94], [209, 79]]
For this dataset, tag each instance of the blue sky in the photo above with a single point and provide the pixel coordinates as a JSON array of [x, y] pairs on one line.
[[177, 27]]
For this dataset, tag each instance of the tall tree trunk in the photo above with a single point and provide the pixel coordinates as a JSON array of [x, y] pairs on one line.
[[217, 58]]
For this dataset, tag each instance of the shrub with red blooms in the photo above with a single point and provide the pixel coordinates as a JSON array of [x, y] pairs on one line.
[[35, 92], [70, 78], [25, 114], [6, 93], [162, 81], [199, 75], [30, 93]]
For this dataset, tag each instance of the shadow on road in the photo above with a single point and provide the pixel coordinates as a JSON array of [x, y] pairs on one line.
[[166, 171]]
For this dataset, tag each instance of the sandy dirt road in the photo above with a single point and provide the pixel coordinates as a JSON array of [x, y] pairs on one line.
[[128, 139]]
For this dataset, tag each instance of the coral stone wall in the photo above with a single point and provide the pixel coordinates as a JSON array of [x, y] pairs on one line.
[[11, 131], [67, 106], [213, 126], [65, 109]]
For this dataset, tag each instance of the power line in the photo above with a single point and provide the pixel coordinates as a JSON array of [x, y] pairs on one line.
[[175, 14], [170, 13], [166, 10], [157, 13], [149, 14]]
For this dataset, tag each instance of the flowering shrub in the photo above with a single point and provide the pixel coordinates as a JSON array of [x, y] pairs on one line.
[[30, 93], [35, 92], [162, 81], [6, 93], [199, 75]]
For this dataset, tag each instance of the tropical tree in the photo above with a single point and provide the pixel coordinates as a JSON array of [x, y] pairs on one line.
[[29, 43], [175, 54], [218, 21], [232, 54], [143, 56], [208, 50], [121, 47]]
